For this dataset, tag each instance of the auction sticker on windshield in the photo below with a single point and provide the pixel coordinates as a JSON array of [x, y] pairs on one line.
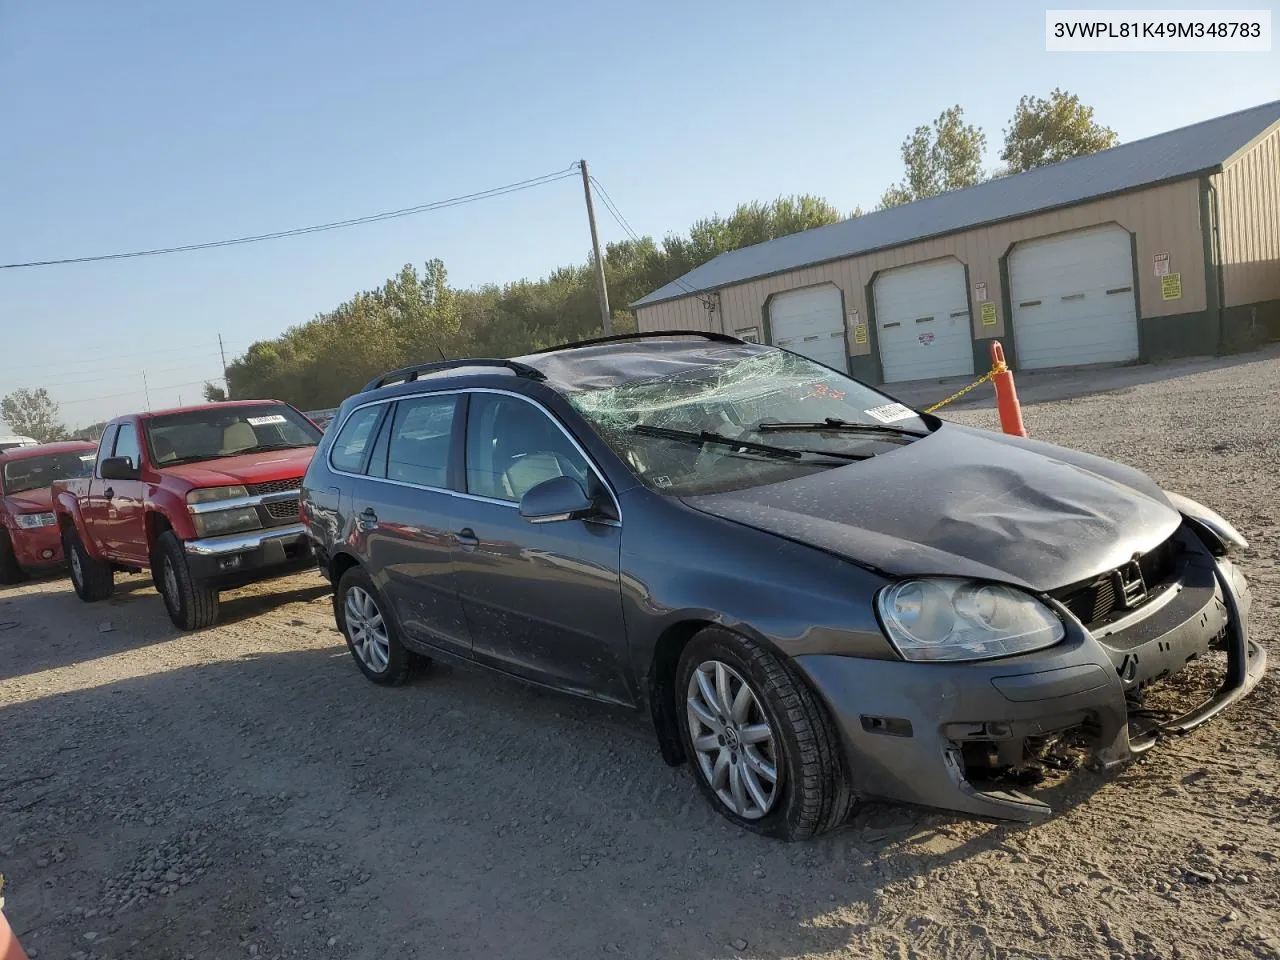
[[263, 421], [890, 412]]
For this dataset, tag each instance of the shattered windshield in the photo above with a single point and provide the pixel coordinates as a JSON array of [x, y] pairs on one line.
[[677, 431]]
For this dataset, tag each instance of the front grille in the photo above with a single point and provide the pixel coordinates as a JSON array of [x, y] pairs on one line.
[[275, 486], [286, 511], [1118, 591]]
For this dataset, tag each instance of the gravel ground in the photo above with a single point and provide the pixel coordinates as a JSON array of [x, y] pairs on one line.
[[243, 792]]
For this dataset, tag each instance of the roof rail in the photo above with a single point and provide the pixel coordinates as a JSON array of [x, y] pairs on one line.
[[412, 373], [639, 335]]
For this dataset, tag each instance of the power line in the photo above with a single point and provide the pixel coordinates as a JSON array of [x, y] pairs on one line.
[[622, 222], [315, 228], [17, 371], [134, 393]]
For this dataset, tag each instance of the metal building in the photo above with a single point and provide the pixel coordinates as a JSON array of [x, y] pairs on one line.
[[1163, 247]]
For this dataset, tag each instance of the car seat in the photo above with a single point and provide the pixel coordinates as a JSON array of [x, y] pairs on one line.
[[162, 447], [238, 436], [528, 450]]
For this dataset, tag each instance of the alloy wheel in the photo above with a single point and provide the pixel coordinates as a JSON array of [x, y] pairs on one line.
[[367, 630], [77, 571], [736, 749]]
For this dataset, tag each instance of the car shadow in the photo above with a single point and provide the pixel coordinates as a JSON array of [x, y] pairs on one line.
[[539, 812], [50, 629]]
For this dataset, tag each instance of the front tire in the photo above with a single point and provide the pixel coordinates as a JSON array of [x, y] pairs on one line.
[[192, 603], [93, 579], [10, 571], [372, 635], [763, 748]]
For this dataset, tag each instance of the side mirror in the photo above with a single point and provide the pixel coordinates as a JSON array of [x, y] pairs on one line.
[[560, 498], [119, 468]]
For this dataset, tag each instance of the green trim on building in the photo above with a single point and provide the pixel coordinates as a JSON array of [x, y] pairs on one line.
[[1251, 325], [865, 368], [1181, 335]]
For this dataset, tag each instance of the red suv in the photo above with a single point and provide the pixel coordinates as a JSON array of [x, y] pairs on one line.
[[29, 539]]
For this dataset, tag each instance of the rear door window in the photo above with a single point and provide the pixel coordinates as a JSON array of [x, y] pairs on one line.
[[352, 444], [421, 434]]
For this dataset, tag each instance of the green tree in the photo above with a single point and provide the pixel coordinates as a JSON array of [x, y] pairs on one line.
[[1049, 131], [942, 157], [214, 393], [32, 413]]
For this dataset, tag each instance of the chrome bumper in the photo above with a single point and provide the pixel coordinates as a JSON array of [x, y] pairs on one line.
[[242, 542]]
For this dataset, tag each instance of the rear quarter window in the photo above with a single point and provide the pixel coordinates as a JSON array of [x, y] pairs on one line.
[[352, 442]]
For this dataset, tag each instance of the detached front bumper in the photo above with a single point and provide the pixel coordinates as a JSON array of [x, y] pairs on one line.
[[907, 727], [248, 556]]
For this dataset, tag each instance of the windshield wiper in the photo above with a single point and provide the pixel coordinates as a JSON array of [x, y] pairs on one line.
[[833, 424], [708, 437]]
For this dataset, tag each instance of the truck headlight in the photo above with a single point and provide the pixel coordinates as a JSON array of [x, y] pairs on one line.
[[1204, 519], [206, 494], [945, 619], [236, 520], [34, 521]]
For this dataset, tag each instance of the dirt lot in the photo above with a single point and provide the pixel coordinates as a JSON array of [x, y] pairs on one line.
[[243, 792]]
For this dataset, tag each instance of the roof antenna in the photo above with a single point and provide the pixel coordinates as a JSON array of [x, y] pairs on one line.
[[441, 352]]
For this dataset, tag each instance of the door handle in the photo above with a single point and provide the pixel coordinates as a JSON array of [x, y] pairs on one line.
[[368, 517], [466, 537], [109, 493]]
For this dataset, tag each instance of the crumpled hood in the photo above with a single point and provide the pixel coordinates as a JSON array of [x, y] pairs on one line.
[[247, 468], [39, 500], [967, 502]]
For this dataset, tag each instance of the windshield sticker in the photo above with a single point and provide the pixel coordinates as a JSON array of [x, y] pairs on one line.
[[890, 413], [662, 481], [263, 421]]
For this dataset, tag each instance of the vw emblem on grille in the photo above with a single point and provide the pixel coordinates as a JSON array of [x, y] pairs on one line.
[[1131, 588]]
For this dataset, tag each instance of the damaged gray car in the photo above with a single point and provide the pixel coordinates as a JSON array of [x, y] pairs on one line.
[[815, 592]]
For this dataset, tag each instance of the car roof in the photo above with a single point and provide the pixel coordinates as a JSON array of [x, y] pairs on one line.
[[588, 364], [44, 449], [193, 408]]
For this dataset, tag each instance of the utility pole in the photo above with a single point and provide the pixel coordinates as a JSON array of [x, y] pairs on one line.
[[226, 386], [146, 391], [606, 317]]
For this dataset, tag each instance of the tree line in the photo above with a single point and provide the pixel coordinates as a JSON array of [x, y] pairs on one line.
[[417, 316]]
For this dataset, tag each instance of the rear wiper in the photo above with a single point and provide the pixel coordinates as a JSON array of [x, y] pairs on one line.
[[834, 424], [708, 437]]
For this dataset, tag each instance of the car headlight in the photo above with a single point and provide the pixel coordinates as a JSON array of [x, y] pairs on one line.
[[943, 619], [1227, 536], [34, 521], [218, 522], [206, 494]]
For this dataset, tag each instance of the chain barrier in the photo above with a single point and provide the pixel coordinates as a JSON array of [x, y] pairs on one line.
[[998, 367]]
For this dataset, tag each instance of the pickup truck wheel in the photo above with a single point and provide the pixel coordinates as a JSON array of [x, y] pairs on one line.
[[93, 580], [192, 603], [10, 572], [372, 634]]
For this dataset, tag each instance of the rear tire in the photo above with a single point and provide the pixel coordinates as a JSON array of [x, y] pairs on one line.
[[192, 603], [93, 579], [784, 730], [10, 572], [372, 634]]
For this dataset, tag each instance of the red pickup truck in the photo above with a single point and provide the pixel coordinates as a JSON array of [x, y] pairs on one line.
[[29, 539], [206, 497]]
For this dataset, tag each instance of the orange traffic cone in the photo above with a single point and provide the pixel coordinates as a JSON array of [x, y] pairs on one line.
[[1006, 395]]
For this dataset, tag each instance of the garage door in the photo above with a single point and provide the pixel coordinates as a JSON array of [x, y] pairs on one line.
[[1072, 298], [810, 322], [922, 322]]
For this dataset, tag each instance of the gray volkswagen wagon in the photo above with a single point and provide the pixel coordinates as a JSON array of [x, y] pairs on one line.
[[817, 593]]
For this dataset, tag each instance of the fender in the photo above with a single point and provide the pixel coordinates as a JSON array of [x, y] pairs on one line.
[[67, 504]]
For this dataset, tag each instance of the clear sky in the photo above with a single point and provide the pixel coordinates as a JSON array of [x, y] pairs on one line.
[[136, 124]]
